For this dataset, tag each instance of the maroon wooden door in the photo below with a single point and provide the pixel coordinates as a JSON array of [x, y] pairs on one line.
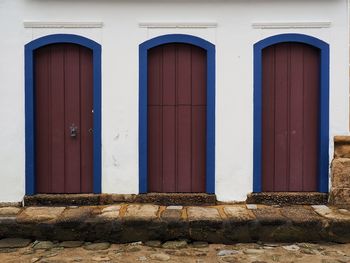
[[176, 118], [63, 119], [290, 117]]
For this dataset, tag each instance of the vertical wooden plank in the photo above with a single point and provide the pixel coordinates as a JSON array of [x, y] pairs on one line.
[[72, 117], [296, 112], [183, 74], [268, 118], [154, 151], [169, 149], [42, 120], [281, 117], [198, 121], [311, 118], [168, 75], [199, 147], [199, 76], [184, 137], [154, 79], [86, 97], [57, 119]]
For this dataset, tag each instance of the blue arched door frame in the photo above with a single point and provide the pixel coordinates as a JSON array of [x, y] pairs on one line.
[[210, 155], [323, 157], [30, 103]]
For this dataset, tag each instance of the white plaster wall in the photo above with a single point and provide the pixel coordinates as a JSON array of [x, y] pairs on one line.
[[120, 36]]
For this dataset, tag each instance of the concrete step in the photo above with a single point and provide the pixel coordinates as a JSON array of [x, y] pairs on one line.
[[106, 199], [141, 222]]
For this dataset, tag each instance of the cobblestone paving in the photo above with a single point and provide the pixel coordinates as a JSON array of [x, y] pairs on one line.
[[18, 250]]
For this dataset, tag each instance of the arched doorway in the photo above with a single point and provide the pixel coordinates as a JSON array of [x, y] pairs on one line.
[[176, 118], [290, 117], [63, 87], [177, 109], [291, 114], [63, 137]]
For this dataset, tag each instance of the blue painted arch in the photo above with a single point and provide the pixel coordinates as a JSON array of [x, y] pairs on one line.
[[210, 140], [30, 104], [323, 155]]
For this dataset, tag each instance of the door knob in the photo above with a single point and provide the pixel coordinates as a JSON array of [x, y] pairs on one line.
[[73, 130]]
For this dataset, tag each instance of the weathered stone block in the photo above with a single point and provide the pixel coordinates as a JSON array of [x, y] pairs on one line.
[[203, 213], [143, 212], [341, 173], [9, 211], [340, 196], [171, 215], [110, 212], [342, 146], [39, 214], [238, 213]]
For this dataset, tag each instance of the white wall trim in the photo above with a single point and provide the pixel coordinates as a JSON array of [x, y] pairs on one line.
[[38, 24], [291, 24], [178, 24]]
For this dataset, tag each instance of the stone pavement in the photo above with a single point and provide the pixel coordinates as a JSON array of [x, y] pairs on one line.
[[171, 252], [142, 222]]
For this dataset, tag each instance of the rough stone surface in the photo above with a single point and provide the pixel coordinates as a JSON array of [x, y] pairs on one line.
[[174, 207], [97, 246], [43, 245], [145, 212], [9, 211], [71, 244], [160, 257], [100, 258], [200, 244], [39, 214], [61, 199], [203, 213], [227, 252], [341, 173], [75, 214], [342, 147], [171, 215], [340, 196], [239, 213], [269, 215], [252, 251], [333, 213], [14, 242], [110, 212], [287, 198], [175, 244], [300, 214], [153, 243], [187, 199]]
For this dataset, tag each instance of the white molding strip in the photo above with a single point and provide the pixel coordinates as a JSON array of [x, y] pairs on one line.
[[295, 24], [37, 24], [178, 24]]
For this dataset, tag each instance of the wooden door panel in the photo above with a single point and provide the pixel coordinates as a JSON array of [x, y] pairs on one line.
[[86, 120], [57, 119], [63, 93], [72, 118], [43, 120], [168, 163], [176, 118], [290, 117]]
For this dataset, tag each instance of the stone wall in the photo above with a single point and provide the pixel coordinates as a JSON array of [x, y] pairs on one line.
[[340, 190]]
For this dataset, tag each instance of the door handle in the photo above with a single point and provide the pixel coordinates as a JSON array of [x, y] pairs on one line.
[[73, 131]]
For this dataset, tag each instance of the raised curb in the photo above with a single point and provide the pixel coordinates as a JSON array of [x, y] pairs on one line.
[[142, 222]]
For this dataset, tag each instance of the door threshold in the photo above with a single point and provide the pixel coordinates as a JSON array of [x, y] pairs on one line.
[[184, 199], [287, 198]]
